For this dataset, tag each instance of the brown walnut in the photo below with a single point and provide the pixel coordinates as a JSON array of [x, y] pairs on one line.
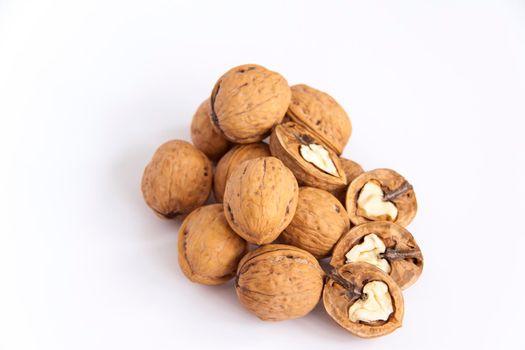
[[312, 163], [351, 170], [279, 282], [209, 250], [231, 160], [399, 249], [394, 190], [247, 101], [319, 221], [345, 286], [203, 134], [321, 114], [177, 179], [260, 199]]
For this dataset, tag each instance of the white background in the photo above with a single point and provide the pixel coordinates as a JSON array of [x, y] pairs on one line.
[[89, 89]]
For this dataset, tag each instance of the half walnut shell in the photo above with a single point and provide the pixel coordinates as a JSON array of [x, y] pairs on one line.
[[209, 250], [404, 260], [347, 285], [352, 171], [279, 282], [312, 163], [321, 114], [387, 188]]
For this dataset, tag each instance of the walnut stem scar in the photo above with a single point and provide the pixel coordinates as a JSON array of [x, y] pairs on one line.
[[391, 195], [351, 288], [392, 254]]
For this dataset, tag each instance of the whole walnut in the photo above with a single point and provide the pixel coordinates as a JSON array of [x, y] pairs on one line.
[[231, 160], [247, 101], [279, 282], [203, 134], [321, 114], [177, 179], [260, 199], [209, 250], [318, 223]]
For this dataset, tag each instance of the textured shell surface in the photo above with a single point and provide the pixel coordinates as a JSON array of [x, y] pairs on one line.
[[260, 199], [177, 180]]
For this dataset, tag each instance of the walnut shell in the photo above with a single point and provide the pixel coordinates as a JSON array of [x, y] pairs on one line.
[[319, 221], [352, 170], [342, 289], [391, 182], [247, 101], [403, 253], [279, 282], [231, 160], [285, 143], [321, 114], [209, 250], [203, 134], [177, 179], [260, 199]]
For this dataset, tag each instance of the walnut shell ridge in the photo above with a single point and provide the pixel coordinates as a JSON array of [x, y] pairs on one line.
[[231, 160], [352, 170], [209, 250], [247, 101], [319, 221], [203, 134], [177, 180], [279, 282], [320, 113], [260, 199]]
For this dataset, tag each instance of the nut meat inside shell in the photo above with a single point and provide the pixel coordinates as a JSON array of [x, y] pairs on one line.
[[401, 250], [395, 189], [287, 143], [279, 282], [346, 285]]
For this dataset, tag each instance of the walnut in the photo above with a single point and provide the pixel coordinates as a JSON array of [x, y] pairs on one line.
[[351, 170], [381, 195], [203, 134], [279, 282], [319, 221], [321, 114], [386, 245], [209, 250], [260, 199], [247, 101], [311, 162], [363, 300], [231, 160], [177, 179]]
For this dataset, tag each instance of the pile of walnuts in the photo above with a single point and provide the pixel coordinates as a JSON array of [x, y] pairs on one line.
[[284, 205]]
